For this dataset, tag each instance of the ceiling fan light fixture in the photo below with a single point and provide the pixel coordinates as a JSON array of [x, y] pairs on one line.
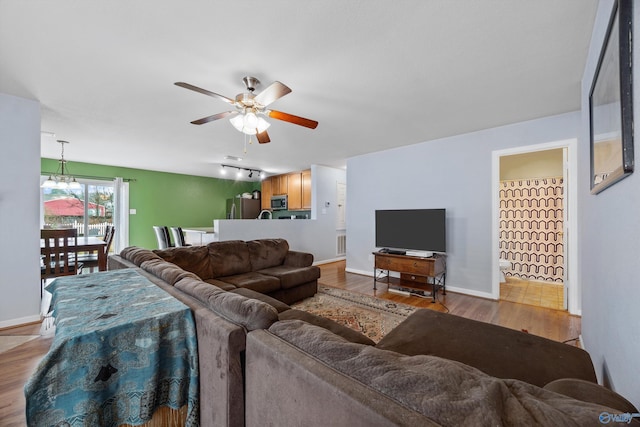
[[262, 124], [237, 121], [250, 120], [247, 118]]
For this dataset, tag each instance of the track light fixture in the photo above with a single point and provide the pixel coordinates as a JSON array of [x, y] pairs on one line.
[[223, 171]]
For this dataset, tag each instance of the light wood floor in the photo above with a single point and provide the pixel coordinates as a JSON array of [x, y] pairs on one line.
[[17, 364], [530, 292]]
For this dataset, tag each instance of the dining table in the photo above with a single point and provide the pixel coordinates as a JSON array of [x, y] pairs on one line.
[[89, 244]]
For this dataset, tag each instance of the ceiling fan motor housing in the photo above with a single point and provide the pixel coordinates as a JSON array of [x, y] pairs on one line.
[[251, 83]]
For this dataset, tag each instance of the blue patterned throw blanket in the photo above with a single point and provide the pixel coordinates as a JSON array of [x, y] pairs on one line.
[[123, 347]]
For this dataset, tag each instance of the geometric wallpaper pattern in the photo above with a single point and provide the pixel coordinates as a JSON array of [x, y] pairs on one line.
[[531, 224]]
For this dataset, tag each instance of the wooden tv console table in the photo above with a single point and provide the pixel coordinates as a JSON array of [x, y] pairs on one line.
[[416, 270]]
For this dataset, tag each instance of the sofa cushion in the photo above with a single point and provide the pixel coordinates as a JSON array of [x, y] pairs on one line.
[[491, 348], [219, 283], [167, 271], [138, 255], [249, 313], [331, 325], [228, 258], [252, 280], [278, 305], [265, 253], [448, 392], [191, 258], [291, 277]]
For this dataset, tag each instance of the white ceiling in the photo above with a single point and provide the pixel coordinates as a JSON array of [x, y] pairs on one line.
[[375, 74]]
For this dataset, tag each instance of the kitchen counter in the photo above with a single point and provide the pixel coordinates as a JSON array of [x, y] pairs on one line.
[[306, 235], [199, 235]]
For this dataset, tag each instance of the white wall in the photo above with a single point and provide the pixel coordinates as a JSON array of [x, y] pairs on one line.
[[610, 246], [452, 173], [19, 210], [316, 235]]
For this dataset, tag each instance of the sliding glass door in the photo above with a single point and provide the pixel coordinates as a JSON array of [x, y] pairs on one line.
[[88, 209]]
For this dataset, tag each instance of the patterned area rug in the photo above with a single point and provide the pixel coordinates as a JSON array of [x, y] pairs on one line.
[[369, 315]]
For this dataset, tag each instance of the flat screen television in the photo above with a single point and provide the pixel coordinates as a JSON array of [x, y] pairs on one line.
[[416, 229]]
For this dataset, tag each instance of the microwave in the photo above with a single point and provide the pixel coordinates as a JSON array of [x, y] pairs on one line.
[[279, 203]]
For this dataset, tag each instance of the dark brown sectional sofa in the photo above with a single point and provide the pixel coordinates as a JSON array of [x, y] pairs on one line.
[[263, 363], [266, 266]]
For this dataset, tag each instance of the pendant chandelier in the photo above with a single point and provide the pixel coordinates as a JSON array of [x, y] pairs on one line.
[[61, 179]]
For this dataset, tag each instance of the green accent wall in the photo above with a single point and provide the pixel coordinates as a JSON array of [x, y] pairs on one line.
[[162, 198]]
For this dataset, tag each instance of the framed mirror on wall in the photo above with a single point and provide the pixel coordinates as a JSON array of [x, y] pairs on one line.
[[611, 103]]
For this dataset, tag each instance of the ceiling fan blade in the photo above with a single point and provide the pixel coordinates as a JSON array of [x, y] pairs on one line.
[[214, 117], [274, 91], [279, 115], [263, 137], [206, 92]]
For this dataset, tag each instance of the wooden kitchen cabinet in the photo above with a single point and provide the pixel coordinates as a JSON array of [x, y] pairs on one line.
[[296, 186], [294, 193], [266, 193], [280, 185], [306, 189]]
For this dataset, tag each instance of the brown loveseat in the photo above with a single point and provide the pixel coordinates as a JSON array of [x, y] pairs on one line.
[[266, 266]]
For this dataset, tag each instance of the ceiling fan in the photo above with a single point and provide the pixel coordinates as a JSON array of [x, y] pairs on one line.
[[250, 108]]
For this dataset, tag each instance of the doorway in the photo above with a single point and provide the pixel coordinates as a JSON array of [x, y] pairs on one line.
[[532, 226]]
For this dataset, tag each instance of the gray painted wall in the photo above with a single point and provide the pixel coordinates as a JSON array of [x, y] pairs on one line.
[[452, 173], [19, 210], [610, 245]]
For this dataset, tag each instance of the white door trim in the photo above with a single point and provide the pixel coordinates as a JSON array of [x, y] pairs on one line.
[[571, 180]]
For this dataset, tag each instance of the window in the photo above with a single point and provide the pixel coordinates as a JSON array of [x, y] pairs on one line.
[[89, 209]]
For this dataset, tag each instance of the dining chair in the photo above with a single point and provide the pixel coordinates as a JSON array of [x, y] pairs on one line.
[[91, 259], [178, 237], [162, 235], [59, 256]]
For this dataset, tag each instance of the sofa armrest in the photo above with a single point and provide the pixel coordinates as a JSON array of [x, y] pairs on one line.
[[116, 262], [298, 259], [591, 392]]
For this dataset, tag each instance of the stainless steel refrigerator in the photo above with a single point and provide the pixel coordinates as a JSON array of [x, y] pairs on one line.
[[241, 208]]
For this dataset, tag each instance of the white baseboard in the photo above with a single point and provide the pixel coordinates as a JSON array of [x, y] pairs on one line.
[[470, 292], [361, 272], [329, 261], [20, 321]]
